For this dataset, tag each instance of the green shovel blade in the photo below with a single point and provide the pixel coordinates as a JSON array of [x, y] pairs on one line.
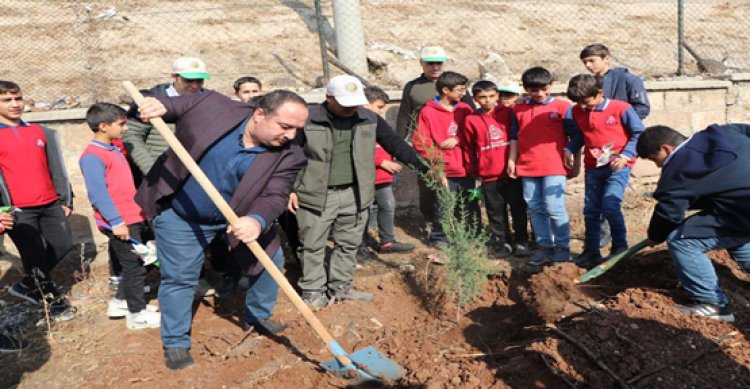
[[602, 268]]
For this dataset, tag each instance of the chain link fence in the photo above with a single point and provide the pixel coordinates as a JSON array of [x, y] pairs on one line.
[[75, 52]]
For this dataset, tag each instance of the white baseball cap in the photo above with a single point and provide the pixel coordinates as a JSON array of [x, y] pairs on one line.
[[347, 90], [508, 87], [190, 68], [433, 54]]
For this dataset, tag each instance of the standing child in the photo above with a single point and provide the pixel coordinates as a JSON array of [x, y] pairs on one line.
[[437, 136], [486, 136], [247, 89], [508, 93], [609, 129], [536, 155], [385, 169], [33, 180], [111, 191]]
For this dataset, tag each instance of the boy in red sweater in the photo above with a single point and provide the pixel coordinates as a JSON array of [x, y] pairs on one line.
[[385, 170], [536, 155], [609, 129], [437, 137], [111, 190], [487, 140], [34, 182]]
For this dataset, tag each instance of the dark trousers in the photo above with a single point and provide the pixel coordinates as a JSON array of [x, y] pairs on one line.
[[460, 186], [499, 195], [133, 271], [42, 236]]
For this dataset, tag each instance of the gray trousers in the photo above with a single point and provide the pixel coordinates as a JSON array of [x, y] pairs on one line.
[[348, 223]]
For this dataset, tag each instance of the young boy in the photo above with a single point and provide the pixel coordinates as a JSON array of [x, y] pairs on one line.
[[508, 93], [708, 173], [247, 88], [437, 136], [618, 83], [486, 139], [536, 155], [34, 181], [385, 169], [110, 188], [609, 129]]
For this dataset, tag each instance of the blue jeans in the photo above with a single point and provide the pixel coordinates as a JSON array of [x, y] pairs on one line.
[[604, 192], [180, 244], [384, 211], [545, 197], [694, 269]]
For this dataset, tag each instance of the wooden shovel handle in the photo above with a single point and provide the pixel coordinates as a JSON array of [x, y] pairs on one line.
[[232, 219]]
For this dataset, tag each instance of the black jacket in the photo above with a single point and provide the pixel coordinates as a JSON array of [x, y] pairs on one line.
[[708, 173]]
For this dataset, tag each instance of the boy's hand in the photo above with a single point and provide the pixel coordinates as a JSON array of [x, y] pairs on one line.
[[618, 162], [67, 210], [390, 166], [293, 205], [568, 159], [121, 232], [247, 229], [151, 108], [449, 144], [6, 221], [511, 169]]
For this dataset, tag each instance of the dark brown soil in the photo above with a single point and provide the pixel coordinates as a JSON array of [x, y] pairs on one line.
[[523, 331]]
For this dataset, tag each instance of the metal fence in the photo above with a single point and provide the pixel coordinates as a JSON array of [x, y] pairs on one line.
[[81, 49]]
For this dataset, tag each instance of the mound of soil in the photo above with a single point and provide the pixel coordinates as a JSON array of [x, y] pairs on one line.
[[553, 294]]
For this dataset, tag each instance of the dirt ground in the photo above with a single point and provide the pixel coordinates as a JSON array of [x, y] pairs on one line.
[[523, 331]]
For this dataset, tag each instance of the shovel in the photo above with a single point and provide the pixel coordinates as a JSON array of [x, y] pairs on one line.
[[602, 268], [364, 365]]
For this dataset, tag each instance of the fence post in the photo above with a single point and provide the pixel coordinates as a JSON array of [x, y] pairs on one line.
[[323, 47], [350, 37], [680, 35]]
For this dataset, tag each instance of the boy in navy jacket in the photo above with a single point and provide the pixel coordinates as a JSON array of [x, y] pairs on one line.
[[708, 173]]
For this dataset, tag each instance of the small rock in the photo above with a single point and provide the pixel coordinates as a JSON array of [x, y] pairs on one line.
[[634, 326], [456, 380], [423, 375]]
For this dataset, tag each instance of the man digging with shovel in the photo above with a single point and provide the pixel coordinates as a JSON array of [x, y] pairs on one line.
[[706, 172], [247, 153]]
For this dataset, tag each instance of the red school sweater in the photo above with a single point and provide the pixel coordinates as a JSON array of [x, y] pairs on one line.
[[382, 176], [603, 128], [541, 138], [23, 160], [487, 137], [435, 125], [115, 204]]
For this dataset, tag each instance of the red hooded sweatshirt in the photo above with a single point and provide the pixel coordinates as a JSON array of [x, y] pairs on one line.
[[487, 137], [382, 176], [435, 125]]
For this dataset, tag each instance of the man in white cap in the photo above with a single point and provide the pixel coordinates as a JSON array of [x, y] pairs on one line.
[[144, 144], [335, 189]]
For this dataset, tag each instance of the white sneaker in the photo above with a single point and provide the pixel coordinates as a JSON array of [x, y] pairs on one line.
[[117, 309], [143, 319], [204, 289]]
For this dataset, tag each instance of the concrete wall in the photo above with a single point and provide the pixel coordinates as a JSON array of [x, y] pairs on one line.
[[687, 105]]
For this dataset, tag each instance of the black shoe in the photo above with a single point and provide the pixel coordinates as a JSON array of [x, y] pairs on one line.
[[395, 247], [267, 327], [10, 344], [589, 258], [708, 310], [228, 285], [178, 358], [364, 254]]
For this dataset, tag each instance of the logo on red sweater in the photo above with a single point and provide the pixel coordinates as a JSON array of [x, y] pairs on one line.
[[554, 116], [611, 120], [39, 143], [495, 133], [453, 129]]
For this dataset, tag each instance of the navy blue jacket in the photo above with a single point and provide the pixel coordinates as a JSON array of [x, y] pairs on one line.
[[619, 84], [709, 174]]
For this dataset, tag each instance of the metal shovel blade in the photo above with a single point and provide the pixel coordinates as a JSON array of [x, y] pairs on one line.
[[602, 268], [368, 364]]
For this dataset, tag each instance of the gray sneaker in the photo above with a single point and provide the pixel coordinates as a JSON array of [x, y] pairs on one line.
[[346, 292], [503, 250], [561, 254], [314, 299], [541, 256]]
